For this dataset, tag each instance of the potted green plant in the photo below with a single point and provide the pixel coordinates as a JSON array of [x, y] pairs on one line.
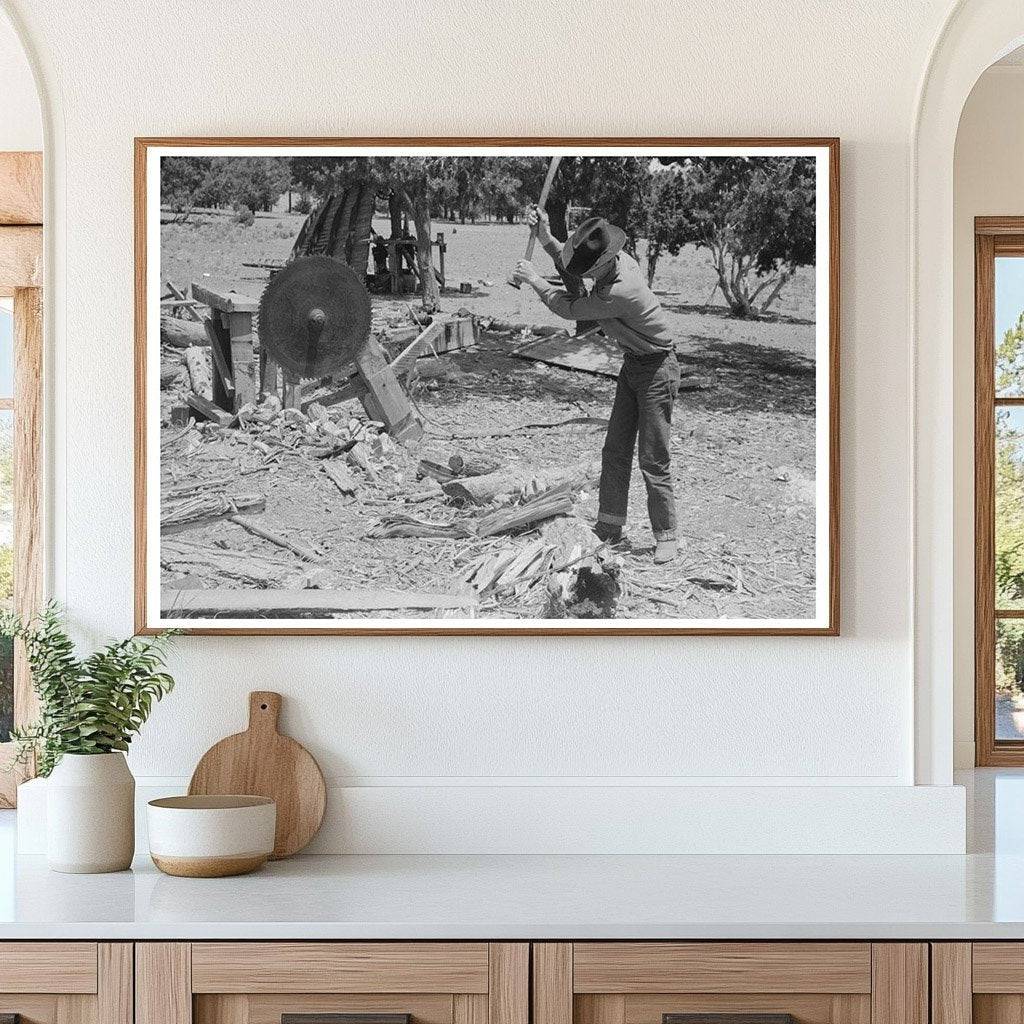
[[89, 710]]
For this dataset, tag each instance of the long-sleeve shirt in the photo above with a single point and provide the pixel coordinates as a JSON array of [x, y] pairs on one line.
[[628, 310]]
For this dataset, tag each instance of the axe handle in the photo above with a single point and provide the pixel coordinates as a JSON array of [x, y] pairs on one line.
[[545, 191]]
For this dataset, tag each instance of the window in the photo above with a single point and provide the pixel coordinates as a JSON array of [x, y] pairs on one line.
[[999, 490], [21, 351], [6, 510]]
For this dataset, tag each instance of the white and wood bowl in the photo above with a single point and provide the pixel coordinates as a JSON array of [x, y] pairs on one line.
[[211, 836]]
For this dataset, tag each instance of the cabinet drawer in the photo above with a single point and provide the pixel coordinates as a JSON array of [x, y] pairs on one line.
[[634, 967], [736, 982], [340, 967], [48, 967], [261, 982]]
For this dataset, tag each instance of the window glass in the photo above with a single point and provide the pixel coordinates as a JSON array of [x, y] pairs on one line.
[[1009, 327], [1009, 679]]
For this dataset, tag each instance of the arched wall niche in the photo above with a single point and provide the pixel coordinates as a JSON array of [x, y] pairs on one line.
[[975, 34]]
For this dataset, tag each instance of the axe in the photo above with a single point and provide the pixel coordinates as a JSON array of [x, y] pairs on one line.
[[541, 203]]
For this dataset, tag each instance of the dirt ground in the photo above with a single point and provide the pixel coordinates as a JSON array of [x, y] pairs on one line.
[[743, 446]]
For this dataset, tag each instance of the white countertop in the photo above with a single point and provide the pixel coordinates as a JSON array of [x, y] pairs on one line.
[[978, 896], [532, 897]]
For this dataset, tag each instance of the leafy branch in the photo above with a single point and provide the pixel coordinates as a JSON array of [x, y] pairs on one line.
[[91, 705]]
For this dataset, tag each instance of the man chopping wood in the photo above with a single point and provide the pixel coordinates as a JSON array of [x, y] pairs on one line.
[[630, 314]]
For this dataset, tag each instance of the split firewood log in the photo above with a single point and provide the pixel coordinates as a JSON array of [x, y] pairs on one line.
[[200, 372], [482, 490], [181, 333]]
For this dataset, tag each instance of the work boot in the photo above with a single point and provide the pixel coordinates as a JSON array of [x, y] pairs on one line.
[[608, 532], [665, 550]]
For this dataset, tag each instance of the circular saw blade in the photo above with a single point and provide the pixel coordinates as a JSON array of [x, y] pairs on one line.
[[314, 316]]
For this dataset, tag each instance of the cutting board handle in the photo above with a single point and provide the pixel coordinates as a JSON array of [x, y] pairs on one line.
[[264, 711]]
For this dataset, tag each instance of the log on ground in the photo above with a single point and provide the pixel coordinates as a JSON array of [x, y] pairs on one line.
[[194, 512], [482, 490], [181, 333]]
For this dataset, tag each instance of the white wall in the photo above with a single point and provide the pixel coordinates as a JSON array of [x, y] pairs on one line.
[[988, 181], [443, 713], [21, 125]]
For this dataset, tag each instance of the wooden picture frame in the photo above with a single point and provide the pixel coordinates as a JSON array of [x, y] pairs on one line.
[[825, 622]]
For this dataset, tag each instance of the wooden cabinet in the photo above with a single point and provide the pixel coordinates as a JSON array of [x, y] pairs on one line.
[[66, 982], [979, 982], [815, 982], [259, 982]]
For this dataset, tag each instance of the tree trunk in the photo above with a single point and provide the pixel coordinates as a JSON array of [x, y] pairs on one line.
[[653, 252], [362, 222], [428, 282]]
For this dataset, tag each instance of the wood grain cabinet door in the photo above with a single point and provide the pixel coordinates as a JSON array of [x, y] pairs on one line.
[[332, 983], [730, 983], [66, 982], [977, 983]]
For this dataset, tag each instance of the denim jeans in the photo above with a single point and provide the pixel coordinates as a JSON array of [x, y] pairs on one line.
[[646, 392]]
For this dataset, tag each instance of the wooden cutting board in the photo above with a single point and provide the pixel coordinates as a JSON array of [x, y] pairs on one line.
[[262, 762]]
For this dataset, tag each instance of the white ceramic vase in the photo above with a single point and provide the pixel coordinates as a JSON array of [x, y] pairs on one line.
[[90, 814]]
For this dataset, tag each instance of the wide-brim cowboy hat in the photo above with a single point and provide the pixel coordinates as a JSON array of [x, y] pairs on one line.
[[591, 246]]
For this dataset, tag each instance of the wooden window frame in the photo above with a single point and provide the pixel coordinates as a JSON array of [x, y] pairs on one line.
[[21, 277]]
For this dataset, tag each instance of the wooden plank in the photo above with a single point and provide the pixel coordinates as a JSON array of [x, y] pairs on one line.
[[385, 400], [66, 967], [469, 1008], [228, 603], [588, 353], [339, 967], [552, 983], [508, 993], [21, 258], [951, 983], [209, 410], [163, 983], [403, 362], [998, 967], [243, 370], [807, 1008], [115, 1003], [190, 310], [899, 983], [220, 356], [721, 967], [228, 301], [21, 188]]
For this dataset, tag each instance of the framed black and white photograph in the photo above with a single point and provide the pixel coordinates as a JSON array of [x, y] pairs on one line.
[[537, 386]]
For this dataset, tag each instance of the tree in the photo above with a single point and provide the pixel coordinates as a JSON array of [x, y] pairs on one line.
[[256, 183], [756, 216], [665, 220], [181, 178], [1009, 473]]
